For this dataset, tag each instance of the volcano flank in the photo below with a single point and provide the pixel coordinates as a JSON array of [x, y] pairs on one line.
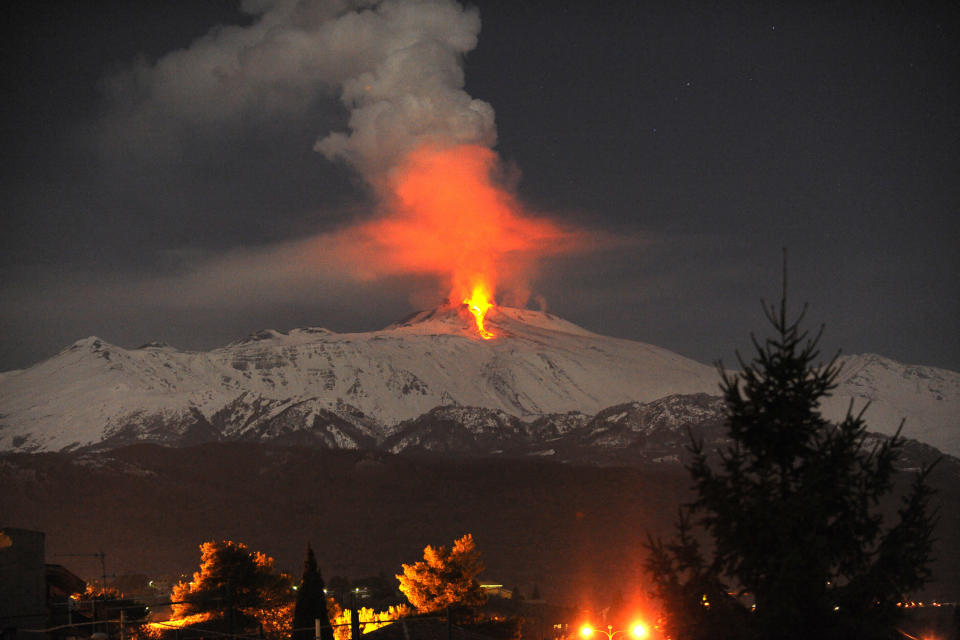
[[380, 432], [353, 390]]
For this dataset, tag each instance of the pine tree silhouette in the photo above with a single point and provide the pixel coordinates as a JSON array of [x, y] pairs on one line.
[[791, 507]]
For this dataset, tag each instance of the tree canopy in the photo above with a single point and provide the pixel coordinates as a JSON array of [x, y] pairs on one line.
[[791, 509], [444, 578], [237, 586]]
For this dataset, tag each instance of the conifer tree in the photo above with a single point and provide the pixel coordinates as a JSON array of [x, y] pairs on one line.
[[791, 507], [311, 603]]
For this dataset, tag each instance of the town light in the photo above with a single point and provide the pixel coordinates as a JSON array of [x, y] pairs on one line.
[[637, 631]]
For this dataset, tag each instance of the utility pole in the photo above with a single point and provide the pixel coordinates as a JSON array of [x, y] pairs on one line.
[[355, 619], [229, 595], [103, 572]]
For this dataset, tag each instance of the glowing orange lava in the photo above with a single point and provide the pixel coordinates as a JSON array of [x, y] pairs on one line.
[[446, 212], [479, 303]]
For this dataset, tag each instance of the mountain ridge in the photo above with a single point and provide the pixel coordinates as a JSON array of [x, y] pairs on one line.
[[355, 390]]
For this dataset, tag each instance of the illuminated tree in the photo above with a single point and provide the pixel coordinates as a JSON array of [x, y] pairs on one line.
[[311, 603], [791, 507], [444, 578], [237, 587]]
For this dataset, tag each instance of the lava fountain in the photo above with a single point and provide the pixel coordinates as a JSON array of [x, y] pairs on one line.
[[479, 303], [446, 214]]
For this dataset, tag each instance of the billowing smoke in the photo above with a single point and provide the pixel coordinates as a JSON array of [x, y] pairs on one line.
[[425, 146], [416, 137], [410, 94], [395, 64]]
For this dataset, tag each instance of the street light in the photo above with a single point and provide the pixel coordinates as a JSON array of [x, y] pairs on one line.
[[637, 631]]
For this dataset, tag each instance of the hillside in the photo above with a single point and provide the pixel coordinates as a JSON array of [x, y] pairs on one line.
[[574, 530]]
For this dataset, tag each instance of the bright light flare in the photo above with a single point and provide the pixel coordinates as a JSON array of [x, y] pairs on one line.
[[479, 303], [638, 630]]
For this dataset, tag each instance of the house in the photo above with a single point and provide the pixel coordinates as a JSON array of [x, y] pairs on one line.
[[33, 594]]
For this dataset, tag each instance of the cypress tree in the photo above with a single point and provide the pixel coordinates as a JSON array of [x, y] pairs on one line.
[[311, 603]]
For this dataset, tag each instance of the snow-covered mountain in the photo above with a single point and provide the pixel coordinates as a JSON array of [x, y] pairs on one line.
[[350, 390], [925, 399]]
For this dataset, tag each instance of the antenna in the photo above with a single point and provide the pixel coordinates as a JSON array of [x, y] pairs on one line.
[[98, 554]]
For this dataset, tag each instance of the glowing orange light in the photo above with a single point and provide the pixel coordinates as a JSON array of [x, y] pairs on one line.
[[586, 631], [639, 631], [446, 212], [156, 629], [479, 303]]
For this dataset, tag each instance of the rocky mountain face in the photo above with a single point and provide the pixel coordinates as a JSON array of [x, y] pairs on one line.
[[543, 387], [655, 431]]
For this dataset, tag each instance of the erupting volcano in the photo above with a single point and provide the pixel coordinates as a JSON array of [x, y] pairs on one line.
[[445, 213], [445, 209]]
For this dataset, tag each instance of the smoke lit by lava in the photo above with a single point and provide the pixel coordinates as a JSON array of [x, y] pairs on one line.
[[445, 215]]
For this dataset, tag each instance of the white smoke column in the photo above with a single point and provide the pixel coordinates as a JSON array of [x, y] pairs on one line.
[[413, 93], [396, 64]]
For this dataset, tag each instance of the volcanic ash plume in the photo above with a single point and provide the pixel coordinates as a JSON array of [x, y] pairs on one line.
[[425, 145], [445, 215], [412, 92], [417, 138]]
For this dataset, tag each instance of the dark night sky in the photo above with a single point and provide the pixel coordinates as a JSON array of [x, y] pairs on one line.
[[711, 134]]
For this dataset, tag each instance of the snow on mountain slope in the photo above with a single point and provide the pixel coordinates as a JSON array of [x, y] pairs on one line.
[[926, 398], [313, 386], [537, 364]]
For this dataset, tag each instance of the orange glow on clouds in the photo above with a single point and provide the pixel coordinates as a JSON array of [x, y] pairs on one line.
[[445, 215]]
